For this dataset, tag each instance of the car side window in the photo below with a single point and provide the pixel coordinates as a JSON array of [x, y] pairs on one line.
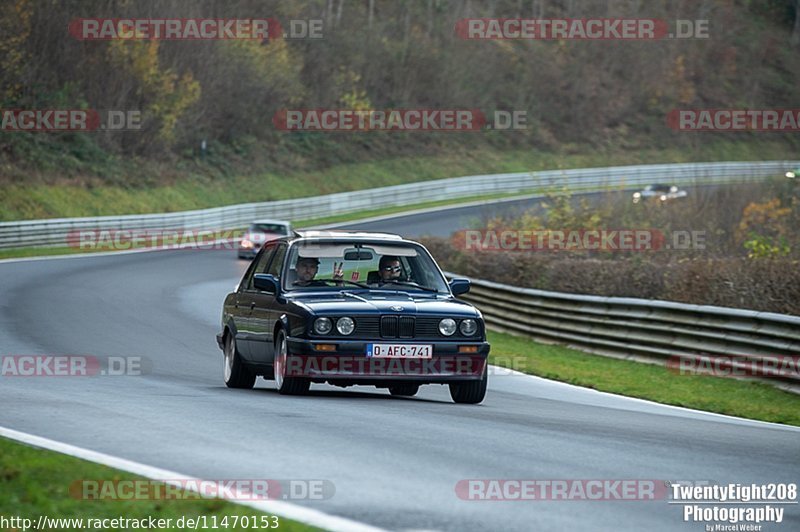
[[276, 265], [261, 264], [246, 278]]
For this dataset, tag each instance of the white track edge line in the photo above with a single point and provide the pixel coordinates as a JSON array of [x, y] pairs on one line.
[[282, 509], [770, 424], [79, 255]]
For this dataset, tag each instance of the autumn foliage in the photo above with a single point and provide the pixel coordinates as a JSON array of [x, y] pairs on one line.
[[383, 54]]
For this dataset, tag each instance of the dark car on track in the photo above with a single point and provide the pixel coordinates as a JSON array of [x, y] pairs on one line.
[[352, 309]]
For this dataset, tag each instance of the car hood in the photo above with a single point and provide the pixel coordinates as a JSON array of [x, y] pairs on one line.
[[383, 302]]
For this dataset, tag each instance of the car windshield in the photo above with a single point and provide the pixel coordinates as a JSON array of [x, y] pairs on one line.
[[375, 266], [659, 188], [269, 228]]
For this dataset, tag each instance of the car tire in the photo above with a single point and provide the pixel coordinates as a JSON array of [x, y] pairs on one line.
[[235, 373], [470, 392], [406, 390], [286, 385]]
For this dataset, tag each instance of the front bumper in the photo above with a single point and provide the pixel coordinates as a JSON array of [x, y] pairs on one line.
[[349, 362]]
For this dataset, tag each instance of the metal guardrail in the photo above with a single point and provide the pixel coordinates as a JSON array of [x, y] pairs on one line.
[[644, 330], [54, 232]]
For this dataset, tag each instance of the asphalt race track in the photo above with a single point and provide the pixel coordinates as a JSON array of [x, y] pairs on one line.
[[394, 462]]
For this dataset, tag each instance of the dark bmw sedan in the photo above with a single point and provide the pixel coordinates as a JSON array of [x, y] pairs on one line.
[[352, 308]]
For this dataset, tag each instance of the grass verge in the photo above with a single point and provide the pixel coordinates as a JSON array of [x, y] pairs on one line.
[[35, 482], [19, 253], [752, 400]]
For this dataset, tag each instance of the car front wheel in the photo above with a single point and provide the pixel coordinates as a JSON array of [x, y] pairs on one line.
[[286, 385], [470, 392], [235, 374]]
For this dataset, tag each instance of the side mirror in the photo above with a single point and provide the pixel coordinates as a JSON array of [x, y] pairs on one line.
[[266, 282], [459, 286]]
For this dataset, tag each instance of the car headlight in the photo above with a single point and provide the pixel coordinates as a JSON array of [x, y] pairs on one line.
[[345, 325], [790, 175], [468, 327], [322, 325], [447, 327], [246, 243]]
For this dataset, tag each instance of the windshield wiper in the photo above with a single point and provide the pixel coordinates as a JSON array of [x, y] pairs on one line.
[[408, 283], [345, 293], [338, 281]]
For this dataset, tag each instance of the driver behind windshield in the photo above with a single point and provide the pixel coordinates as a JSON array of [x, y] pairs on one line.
[[390, 269]]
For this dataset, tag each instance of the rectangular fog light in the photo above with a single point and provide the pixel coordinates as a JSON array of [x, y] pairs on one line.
[[325, 347]]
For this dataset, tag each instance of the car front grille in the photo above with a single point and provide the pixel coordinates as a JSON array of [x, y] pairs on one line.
[[367, 327], [428, 327], [407, 327], [397, 327], [389, 327]]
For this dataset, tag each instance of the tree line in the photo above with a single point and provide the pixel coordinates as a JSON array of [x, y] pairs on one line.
[[377, 54]]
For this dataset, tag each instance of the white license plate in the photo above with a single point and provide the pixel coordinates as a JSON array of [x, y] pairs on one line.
[[399, 351]]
